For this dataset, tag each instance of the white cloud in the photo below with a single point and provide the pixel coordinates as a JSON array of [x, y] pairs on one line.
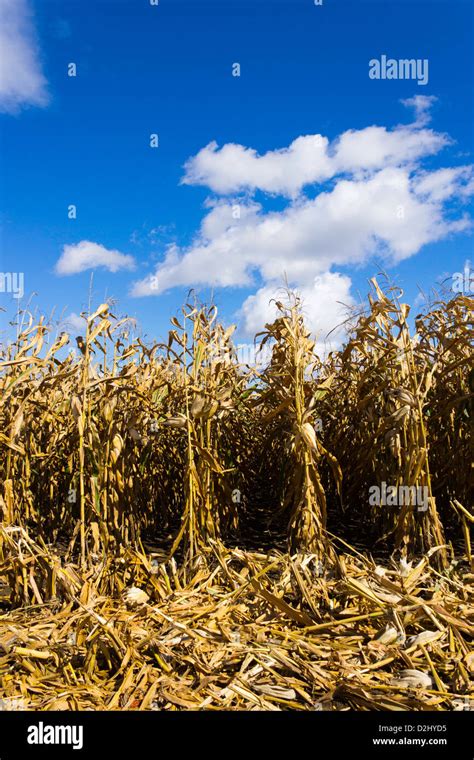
[[22, 82], [356, 219], [442, 184], [313, 159], [234, 168], [86, 255], [420, 300], [422, 105], [74, 322], [375, 148], [325, 304], [380, 201]]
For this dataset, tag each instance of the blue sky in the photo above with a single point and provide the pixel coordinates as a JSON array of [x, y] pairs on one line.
[[141, 69]]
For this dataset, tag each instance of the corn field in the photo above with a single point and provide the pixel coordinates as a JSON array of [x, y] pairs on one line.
[[182, 531]]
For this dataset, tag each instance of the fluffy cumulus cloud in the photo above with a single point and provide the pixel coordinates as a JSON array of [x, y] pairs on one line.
[[74, 322], [325, 303], [86, 255], [22, 82], [442, 184], [313, 159], [370, 196]]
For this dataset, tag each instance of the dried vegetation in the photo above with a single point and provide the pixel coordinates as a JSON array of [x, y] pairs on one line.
[[180, 531]]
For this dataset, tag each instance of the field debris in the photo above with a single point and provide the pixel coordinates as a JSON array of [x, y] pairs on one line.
[[222, 640]]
